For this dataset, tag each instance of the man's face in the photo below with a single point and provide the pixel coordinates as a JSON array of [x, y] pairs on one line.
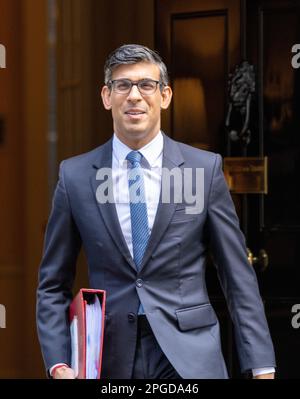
[[136, 117]]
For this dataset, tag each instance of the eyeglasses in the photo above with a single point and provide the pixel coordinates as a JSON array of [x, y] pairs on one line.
[[145, 86]]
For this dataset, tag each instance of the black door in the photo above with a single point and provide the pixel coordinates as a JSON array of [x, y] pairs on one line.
[[202, 42], [273, 220]]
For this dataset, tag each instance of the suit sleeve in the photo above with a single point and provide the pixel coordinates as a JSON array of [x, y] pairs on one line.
[[237, 277], [56, 277]]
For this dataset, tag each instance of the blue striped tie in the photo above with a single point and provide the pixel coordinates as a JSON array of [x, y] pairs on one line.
[[138, 210]]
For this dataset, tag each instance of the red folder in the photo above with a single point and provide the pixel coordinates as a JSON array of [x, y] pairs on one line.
[[78, 309]]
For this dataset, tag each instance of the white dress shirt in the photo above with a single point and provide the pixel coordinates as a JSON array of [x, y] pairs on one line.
[[152, 165], [152, 168]]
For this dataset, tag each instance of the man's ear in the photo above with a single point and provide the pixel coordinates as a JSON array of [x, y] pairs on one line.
[[105, 94], [166, 97]]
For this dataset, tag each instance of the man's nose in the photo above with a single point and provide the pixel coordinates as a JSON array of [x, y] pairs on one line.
[[134, 93]]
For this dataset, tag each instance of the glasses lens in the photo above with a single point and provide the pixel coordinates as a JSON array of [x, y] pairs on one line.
[[122, 85], [147, 86]]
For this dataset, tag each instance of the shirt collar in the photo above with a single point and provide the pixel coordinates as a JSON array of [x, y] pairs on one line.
[[151, 151]]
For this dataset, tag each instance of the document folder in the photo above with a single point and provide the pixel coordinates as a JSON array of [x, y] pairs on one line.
[[87, 312]]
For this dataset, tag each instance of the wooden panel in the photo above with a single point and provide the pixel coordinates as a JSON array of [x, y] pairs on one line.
[[35, 174], [12, 290], [74, 77], [200, 42], [199, 71], [11, 187]]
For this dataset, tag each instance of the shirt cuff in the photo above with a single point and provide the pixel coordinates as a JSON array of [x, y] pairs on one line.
[[56, 365], [263, 370]]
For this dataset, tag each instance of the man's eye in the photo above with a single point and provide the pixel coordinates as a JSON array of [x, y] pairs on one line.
[[122, 85], [147, 85]]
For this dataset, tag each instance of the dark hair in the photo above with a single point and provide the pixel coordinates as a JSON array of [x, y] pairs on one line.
[[132, 54]]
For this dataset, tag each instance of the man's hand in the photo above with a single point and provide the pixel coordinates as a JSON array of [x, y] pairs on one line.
[[269, 376], [64, 373]]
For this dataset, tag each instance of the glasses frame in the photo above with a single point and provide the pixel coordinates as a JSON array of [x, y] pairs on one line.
[[135, 83]]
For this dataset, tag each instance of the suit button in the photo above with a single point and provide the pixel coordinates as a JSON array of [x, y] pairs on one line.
[[139, 282], [131, 317]]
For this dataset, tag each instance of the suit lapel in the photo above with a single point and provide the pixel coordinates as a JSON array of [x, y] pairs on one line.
[[172, 158], [108, 210]]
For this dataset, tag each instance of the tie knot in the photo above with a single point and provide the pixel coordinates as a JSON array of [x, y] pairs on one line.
[[134, 157]]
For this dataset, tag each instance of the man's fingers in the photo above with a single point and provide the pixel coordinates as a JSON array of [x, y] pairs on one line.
[[64, 373]]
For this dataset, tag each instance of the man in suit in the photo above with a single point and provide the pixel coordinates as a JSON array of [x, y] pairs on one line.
[[146, 251]]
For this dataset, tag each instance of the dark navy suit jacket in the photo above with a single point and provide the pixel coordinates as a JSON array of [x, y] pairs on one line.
[[171, 282]]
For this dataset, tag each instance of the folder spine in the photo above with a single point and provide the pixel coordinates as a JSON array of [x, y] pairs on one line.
[[78, 309]]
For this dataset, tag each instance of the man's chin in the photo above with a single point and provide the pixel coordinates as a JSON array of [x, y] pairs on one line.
[[135, 135], [136, 132]]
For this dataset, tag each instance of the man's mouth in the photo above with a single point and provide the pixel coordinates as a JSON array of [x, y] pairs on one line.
[[135, 112]]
